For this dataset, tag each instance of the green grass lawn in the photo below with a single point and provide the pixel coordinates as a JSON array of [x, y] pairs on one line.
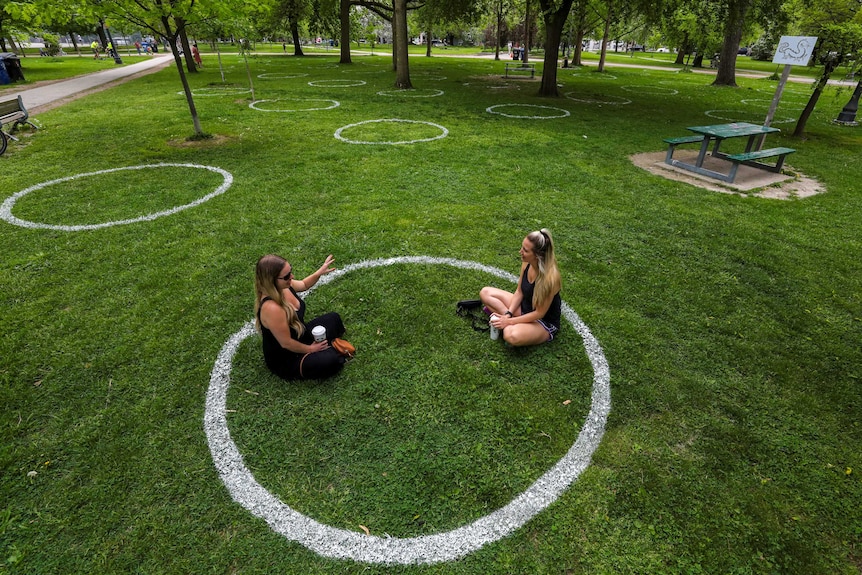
[[731, 325]]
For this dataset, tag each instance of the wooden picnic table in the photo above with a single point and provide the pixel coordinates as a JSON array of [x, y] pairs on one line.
[[715, 135]]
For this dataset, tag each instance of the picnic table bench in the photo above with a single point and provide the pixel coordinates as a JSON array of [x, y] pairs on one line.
[[519, 70], [716, 134]]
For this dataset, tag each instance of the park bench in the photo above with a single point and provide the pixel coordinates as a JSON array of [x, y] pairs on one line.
[[519, 70], [750, 159], [672, 143], [12, 111]]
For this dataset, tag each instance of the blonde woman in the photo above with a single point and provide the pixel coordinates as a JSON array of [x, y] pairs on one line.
[[289, 349], [531, 315]]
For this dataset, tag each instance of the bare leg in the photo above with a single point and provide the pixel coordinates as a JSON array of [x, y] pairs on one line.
[[521, 334], [496, 299]]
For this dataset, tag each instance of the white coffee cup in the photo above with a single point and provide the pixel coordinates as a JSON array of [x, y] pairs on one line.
[[319, 333], [495, 331]]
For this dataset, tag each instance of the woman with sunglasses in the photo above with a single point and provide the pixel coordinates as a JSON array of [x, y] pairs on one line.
[[289, 349], [531, 315]]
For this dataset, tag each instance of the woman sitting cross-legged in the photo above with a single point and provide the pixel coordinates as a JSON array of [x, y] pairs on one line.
[[531, 315], [289, 348]]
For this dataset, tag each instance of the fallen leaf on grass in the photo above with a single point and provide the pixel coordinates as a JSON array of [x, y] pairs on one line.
[[251, 392], [567, 402], [364, 528]]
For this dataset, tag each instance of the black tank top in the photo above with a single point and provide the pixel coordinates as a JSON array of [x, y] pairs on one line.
[[278, 359], [552, 316]]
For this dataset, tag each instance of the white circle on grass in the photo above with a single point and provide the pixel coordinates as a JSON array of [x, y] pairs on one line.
[[443, 134], [334, 104], [493, 110], [651, 90], [338, 543], [280, 75], [412, 93], [6, 208], [226, 91], [744, 116], [337, 83], [595, 74], [619, 102]]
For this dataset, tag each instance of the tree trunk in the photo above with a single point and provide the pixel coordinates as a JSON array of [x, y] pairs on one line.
[[526, 51], [184, 41], [297, 45], [579, 36], [554, 24], [345, 32], [605, 37], [736, 12], [399, 37], [499, 11], [172, 38], [394, 43], [698, 60], [428, 42], [828, 68]]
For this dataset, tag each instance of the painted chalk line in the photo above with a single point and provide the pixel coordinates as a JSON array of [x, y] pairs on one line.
[[254, 104], [412, 93], [622, 102], [6, 208], [744, 116], [338, 543], [336, 83], [492, 110], [338, 132]]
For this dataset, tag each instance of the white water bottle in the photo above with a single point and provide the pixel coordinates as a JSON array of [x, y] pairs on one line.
[[495, 331]]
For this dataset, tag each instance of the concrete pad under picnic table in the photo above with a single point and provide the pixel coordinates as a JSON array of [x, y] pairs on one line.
[[748, 178]]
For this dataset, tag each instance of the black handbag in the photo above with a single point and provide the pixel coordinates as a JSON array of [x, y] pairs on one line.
[[472, 309]]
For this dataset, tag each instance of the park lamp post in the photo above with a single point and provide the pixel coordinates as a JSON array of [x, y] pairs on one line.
[[847, 117], [116, 54]]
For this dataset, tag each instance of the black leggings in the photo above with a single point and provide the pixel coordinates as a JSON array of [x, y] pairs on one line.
[[324, 363]]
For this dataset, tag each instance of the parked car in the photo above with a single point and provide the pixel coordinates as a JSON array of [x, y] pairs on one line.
[[744, 51]]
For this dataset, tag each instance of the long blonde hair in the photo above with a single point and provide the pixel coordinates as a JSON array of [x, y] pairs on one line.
[[548, 281], [265, 277]]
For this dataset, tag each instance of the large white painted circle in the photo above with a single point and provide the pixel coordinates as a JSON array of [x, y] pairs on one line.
[[332, 104], [495, 110], [338, 133], [337, 83], [744, 116], [6, 208], [620, 101], [439, 547], [412, 93]]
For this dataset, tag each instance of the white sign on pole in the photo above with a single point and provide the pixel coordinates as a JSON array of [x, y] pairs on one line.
[[794, 50]]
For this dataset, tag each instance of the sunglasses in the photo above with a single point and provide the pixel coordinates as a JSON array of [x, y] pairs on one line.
[[286, 276]]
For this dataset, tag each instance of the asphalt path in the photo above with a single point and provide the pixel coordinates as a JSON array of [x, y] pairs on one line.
[[49, 95]]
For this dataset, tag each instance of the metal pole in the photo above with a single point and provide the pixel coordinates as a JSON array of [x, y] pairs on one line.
[[775, 100]]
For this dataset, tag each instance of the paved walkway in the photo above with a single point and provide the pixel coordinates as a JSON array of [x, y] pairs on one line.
[[46, 96]]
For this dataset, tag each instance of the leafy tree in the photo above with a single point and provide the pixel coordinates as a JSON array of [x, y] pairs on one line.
[[167, 19], [838, 27]]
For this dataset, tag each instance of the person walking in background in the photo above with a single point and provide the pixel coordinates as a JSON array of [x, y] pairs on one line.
[[95, 47], [531, 315], [197, 55]]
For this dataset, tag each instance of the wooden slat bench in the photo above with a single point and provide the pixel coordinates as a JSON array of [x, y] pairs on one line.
[[518, 70], [672, 143], [12, 111], [750, 159]]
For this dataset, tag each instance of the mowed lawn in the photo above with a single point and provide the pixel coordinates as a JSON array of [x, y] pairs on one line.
[[730, 324]]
